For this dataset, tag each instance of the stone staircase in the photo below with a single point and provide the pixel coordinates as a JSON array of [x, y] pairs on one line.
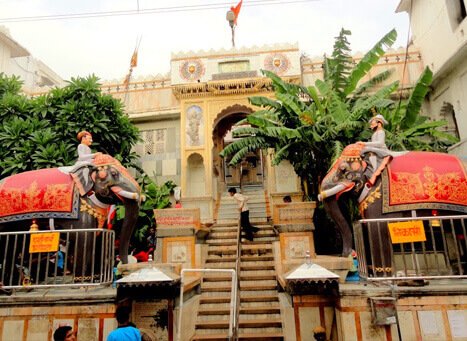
[[257, 204], [260, 316]]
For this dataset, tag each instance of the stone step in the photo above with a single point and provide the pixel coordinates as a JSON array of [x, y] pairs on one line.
[[261, 336], [223, 242], [216, 288], [234, 216], [245, 310], [244, 258], [247, 248], [217, 278], [256, 277], [257, 239], [254, 221], [264, 265], [263, 232], [255, 258], [242, 323], [265, 336], [232, 224], [221, 266], [258, 298], [258, 286], [214, 299], [245, 298], [233, 210]]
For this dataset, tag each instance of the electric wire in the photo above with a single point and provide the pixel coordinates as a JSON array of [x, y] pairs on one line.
[[139, 11]]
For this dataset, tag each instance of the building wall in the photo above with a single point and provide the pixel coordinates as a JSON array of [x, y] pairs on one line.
[[160, 149], [16, 60], [349, 318], [35, 322], [439, 30], [436, 31]]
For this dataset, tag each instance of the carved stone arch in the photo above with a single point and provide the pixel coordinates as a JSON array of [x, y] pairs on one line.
[[196, 175], [229, 116]]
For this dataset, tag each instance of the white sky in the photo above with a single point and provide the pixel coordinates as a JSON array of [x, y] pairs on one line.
[[103, 46]]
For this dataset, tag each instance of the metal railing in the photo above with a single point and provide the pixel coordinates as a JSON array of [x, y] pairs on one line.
[[84, 257], [442, 254], [237, 283]]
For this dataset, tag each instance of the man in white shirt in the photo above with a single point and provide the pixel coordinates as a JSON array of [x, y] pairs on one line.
[[244, 213]]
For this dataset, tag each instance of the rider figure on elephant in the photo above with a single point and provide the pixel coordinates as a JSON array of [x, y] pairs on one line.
[[84, 151], [376, 150], [85, 159]]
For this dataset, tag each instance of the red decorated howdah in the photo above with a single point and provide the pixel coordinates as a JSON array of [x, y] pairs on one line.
[[422, 177], [44, 193]]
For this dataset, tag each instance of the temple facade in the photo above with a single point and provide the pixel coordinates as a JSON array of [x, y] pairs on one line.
[[187, 116]]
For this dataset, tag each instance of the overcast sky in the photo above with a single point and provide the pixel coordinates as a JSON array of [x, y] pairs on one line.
[[104, 45]]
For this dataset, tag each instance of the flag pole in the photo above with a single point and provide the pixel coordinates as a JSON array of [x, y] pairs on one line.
[[231, 20], [133, 63], [232, 16]]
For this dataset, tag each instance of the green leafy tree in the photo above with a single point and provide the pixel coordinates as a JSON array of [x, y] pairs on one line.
[[41, 132]]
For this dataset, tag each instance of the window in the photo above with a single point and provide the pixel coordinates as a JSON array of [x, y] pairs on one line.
[[154, 141], [234, 66], [450, 116], [456, 11]]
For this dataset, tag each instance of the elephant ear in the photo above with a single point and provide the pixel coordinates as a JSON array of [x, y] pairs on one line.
[[82, 180]]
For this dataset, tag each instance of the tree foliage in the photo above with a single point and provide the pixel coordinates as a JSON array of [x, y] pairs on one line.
[[40, 132]]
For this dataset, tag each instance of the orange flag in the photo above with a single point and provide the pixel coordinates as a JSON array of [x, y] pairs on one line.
[[134, 59], [236, 10]]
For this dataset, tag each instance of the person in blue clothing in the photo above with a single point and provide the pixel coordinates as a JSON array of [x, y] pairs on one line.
[[126, 331]]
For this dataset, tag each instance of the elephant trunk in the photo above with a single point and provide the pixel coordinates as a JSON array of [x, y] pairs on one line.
[[332, 208], [131, 215]]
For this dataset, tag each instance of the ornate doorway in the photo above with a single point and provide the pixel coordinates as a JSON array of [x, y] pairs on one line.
[[250, 171]]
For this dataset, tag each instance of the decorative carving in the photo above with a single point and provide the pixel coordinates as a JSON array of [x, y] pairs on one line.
[[370, 199], [192, 70], [277, 63], [194, 126], [227, 87]]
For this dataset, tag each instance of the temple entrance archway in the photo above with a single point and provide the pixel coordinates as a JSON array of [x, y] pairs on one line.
[[250, 171]]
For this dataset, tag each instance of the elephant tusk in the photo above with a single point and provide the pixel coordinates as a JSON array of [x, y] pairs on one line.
[[330, 192], [125, 194]]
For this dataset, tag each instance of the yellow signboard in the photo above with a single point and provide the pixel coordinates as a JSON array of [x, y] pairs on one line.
[[44, 242], [407, 231]]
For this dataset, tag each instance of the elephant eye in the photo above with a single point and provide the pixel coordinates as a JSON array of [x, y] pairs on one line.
[[114, 173]]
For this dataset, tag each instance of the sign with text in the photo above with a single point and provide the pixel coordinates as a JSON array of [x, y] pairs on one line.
[[44, 242], [177, 217], [407, 231]]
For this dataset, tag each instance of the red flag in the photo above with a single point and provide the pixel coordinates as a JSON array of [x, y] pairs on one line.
[[236, 10]]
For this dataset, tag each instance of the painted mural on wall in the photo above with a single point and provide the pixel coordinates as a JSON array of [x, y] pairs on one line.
[[194, 126]]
